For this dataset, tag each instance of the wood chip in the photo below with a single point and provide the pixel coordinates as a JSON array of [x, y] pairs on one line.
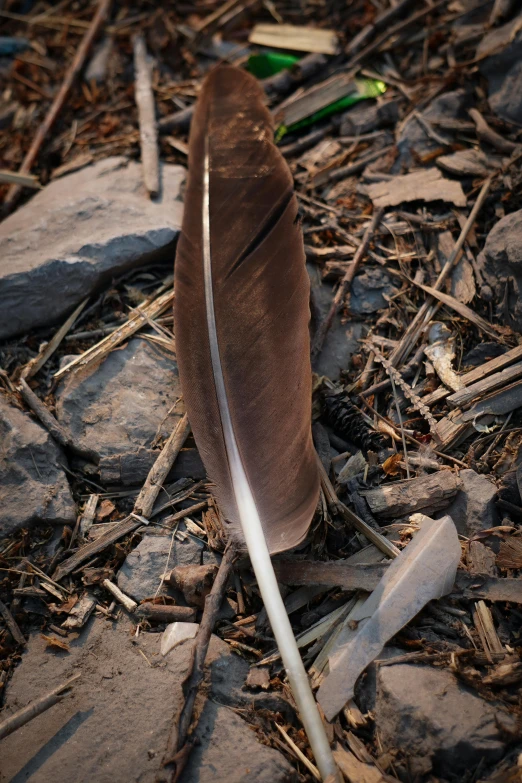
[[510, 553], [432, 492], [258, 677], [427, 185], [464, 397], [294, 37]]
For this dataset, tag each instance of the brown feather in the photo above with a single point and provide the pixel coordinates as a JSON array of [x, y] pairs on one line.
[[261, 300]]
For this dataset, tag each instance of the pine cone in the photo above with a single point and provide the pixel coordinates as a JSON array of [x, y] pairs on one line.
[[346, 421]]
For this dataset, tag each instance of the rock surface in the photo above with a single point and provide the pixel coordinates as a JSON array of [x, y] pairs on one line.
[[114, 726], [141, 573], [369, 290], [342, 339], [473, 507], [123, 403], [503, 69], [414, 143], [367, 117], [77, 233], [429, 715], [502, 259], [33, 486]]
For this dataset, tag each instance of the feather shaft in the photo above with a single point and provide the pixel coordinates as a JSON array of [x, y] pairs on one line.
[[253, 529]]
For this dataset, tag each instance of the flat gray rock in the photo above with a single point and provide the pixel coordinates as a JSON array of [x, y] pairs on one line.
[[124, 403], [502, 259], [428, 715], [342, 339], [230, 753], [114, 727], [368, 291], [503, 69], [33, 485], [77, 233], [473, 507], [141, 573], [414, 142]]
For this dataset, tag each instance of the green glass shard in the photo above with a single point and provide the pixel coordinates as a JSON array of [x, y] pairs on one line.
[[364, 89], [269, 63]]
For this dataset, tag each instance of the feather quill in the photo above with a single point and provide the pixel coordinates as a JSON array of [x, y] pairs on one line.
[[241, 324]]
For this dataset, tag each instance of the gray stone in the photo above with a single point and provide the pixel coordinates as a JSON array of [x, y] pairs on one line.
[[503, 69], [369, 290], [414, 143], [502, 259], [364, 117], [77, 233], [123, 403], [426, 713], [115, 725], [230, 752], [33, 485], [473, 507], [141, 573], [342, 339]]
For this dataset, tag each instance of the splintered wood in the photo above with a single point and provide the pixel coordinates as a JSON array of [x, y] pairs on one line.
[[139, 318]]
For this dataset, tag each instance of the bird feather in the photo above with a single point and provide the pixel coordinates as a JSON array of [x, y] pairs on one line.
[[242, 341]]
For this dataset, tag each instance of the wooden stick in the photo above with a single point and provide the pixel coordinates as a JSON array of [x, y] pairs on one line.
[[35, 708], [72, 72], [165, 613], [424, 315], [96, 353], [147, 116], [390, 32], [146, 499], [178, 749], [381, 22], [380, 541], [22, 180], [299, 753], [345, 284], [115, 591], [486, 133], [57, 432], [12, 625], [159, 471]]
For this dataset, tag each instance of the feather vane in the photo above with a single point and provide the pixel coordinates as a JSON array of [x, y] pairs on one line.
[[241, 324]]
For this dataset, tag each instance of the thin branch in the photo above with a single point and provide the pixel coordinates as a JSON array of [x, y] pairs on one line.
[[50, 118], [178, 748], [147, 117], [425, 313], [12, 625], [345, 284], [35, 708], [55, 429]]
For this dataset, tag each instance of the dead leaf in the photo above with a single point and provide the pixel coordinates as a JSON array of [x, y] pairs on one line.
[[105, 509], [391, 465], [55, 644]]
